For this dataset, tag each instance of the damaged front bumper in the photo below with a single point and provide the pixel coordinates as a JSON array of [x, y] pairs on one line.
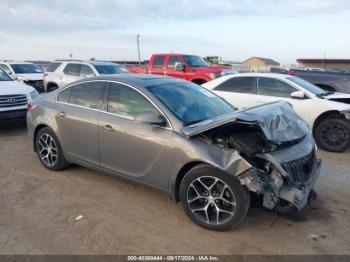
[[286, 181]]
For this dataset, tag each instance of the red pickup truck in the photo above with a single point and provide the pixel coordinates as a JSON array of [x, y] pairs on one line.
[[189, 67]]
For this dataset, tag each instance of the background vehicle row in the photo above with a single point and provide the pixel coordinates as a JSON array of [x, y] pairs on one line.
[[327, 113]]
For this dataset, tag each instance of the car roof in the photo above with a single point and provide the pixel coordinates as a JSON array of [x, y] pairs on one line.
[[16, 62], [135, 80], [275, 75], [86, 62]]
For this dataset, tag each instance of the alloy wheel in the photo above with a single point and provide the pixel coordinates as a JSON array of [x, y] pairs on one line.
[[211, 200], [48, 150]]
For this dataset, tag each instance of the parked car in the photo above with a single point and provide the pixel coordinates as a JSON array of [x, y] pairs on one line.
[[61, 73], [14, 98], [25, 72], [327, 113], [327, 80], [182, 139], [189, 67]]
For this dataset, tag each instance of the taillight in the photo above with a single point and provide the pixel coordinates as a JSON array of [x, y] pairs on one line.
[[291, 73], [29, 106]]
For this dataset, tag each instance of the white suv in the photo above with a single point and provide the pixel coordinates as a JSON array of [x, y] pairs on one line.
[[327, 113], [25, 72], [62, 73], [14, 98]]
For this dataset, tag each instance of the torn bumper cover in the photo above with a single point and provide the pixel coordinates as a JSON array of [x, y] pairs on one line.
[[286, 181]]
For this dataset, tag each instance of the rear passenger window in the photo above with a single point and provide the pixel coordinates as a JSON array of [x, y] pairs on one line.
[[88, 94], [72, 69], [52, 67], [63, 96], [158, 61], [239, 85], [274, 87]]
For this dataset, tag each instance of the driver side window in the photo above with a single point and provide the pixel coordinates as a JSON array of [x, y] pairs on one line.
[[125, 101], [274, 87]]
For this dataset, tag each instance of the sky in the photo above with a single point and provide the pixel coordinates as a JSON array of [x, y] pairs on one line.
[[283, 30]]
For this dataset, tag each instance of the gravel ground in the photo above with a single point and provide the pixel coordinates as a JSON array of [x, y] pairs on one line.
[[38, 211]]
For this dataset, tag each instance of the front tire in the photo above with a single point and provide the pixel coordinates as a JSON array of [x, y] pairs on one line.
[[333, 134], [49, 150], [213, 199]]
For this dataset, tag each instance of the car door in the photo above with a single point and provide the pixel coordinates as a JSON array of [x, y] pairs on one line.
[[271, 89], [77, 119], [158, 65], [71, 73], [238, 91], [130, 148]]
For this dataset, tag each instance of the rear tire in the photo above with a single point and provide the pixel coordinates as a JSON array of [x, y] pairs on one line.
[[213, 199], [333, 134], [49, 150]]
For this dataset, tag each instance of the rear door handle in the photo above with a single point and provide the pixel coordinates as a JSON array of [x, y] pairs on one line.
[[108, 128], [62, 114]]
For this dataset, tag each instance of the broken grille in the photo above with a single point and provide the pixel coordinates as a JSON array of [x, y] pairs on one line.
[[13, 100], [300, 169]]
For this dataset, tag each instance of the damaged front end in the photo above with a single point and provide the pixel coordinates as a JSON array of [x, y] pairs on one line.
[[278, 146], [285, 177]]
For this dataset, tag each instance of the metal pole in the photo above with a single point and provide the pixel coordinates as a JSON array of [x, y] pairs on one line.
[[138, 47]]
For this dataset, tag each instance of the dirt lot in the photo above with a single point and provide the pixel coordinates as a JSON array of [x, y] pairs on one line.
[[38, 210]]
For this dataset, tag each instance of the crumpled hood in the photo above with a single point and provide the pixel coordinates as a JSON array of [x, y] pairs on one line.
[[277, 120]]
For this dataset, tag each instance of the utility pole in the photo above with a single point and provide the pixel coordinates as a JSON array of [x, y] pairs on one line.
[[138, 47]]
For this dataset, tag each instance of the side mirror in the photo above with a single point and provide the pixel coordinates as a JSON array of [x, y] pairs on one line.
[[150, 117], [298, 95], [179, 66]]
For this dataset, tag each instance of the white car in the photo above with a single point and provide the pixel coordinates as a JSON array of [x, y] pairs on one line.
[[61, 73], [14, 98], [25, 72], [327, 113]]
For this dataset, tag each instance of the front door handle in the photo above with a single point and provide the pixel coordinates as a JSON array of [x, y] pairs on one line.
[[62, 114], [108, 128]]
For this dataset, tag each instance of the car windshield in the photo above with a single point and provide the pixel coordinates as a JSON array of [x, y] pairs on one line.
[[195, 61], [26, 69], [308, 86], [189, 102], [4, 76], [110, 69]]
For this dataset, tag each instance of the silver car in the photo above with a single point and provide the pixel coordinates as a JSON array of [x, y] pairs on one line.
[[182, 139]]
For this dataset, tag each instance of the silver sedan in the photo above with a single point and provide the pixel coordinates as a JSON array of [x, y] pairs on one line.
[[182, 139]]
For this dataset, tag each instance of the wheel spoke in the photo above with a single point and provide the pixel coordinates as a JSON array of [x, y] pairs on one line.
[[195, 189], [232, 203], [204, 185]]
